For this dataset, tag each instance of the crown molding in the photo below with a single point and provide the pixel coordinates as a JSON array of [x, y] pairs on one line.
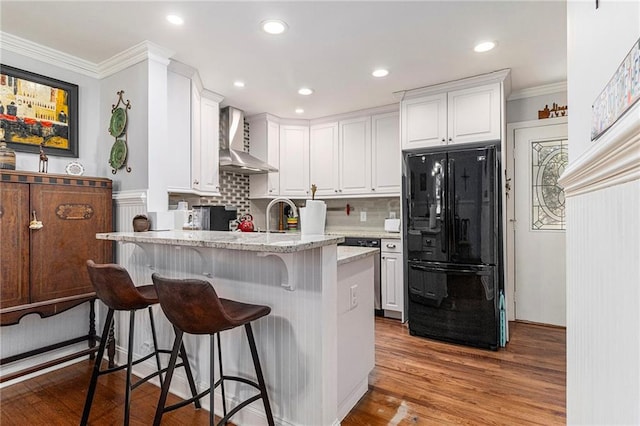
[[142, 51], [500, 76], [48, 55], [612, 159], [546, 89]]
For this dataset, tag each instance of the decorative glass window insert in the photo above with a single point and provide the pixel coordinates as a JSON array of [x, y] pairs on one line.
[[548, 161]]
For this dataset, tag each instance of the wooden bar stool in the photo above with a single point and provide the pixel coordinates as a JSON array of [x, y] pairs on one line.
[[114, 287], [193, 307]]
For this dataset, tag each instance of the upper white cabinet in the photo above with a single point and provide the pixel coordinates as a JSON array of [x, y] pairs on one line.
[[473, 115], [294, 160], [206, 150], [463, 111], [424, 121], [355, 156], [323, 158], [264, 134], [385, 153], [194, 118]]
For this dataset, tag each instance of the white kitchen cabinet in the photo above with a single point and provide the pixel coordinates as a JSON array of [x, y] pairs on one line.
[[355, 156], [424, 121], [264, 133], [323, 158], [206, 152], [294, 160], [179, 132], [472, 113], [392, 280], [193, 134], [386, 175]]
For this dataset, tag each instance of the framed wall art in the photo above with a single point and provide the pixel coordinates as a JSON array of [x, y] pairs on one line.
[[619, 95], [38, 111]]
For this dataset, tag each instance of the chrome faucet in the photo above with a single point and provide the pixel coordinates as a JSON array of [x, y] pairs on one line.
[[280, 200]]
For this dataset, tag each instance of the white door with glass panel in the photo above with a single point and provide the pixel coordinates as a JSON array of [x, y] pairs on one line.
[[541, 155]]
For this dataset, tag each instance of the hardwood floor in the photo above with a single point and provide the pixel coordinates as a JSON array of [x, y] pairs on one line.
[[416, 382], [424, 382]]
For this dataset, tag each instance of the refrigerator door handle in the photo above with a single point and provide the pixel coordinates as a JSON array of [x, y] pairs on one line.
[[452, 205], [456, 270], [445, 200]]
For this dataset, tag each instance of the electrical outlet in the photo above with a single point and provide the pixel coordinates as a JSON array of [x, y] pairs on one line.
[[363, 216], [392, 215], [353, 296]]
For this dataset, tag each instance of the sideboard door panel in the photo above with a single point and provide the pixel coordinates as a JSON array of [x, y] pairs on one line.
[[14, 244], [71, 216]]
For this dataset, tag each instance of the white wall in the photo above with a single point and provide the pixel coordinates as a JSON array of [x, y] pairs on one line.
[[134, 81], [597, 42], [603, 226], [526, 109]]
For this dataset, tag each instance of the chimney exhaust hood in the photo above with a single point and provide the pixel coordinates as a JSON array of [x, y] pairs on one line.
[[233, 157]]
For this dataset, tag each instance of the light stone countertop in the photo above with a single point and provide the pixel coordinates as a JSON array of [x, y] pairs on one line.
[[248, 241], [348, 254]]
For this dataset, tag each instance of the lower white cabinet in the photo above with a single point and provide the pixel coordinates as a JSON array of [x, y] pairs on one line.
[[392, 280]]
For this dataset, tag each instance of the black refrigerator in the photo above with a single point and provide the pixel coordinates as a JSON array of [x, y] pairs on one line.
[[453, 241]]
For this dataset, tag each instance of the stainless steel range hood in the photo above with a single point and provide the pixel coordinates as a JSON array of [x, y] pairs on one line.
[[233, 157]]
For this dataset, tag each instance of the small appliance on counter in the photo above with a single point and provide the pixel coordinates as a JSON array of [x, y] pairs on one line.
[[216, 218], [392, 225]]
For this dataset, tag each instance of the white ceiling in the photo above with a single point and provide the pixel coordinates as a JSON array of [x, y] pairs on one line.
[[331, 47]]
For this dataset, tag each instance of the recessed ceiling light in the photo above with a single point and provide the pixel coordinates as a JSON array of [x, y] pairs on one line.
[[175, 19], [485, 46], [305, 91], [274, 26], [238, 83], [380, 72], [299, 111]]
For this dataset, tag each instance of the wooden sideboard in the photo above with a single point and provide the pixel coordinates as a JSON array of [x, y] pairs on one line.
[[43, 268]]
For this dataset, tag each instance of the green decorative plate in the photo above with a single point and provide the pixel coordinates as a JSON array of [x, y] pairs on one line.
[[118, 154], [118, 122]]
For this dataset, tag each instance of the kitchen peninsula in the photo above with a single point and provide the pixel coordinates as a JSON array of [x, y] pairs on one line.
[[316, 346]]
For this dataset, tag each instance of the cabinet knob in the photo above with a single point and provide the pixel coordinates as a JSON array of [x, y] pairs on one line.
[[196, 182], [450, 140], [373, 189], [443, 140]]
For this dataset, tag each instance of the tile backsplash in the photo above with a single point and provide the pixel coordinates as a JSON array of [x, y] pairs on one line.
[[376, 209]]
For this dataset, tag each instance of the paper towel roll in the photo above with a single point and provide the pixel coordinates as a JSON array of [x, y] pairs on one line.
[[312, 218]]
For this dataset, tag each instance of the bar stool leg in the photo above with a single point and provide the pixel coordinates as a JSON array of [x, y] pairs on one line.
[[155, 344], [261, 383], [167, 380], [187, 370], [212, 382], [127, 395], [96, 368], [224, 398]]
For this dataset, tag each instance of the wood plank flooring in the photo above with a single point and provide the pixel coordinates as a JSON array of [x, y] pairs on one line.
[[416, 382]]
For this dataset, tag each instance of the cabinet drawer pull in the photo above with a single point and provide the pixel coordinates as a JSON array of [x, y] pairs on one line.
[[391, 246]]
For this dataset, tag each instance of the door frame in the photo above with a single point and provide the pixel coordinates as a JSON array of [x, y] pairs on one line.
[[510, 210]]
